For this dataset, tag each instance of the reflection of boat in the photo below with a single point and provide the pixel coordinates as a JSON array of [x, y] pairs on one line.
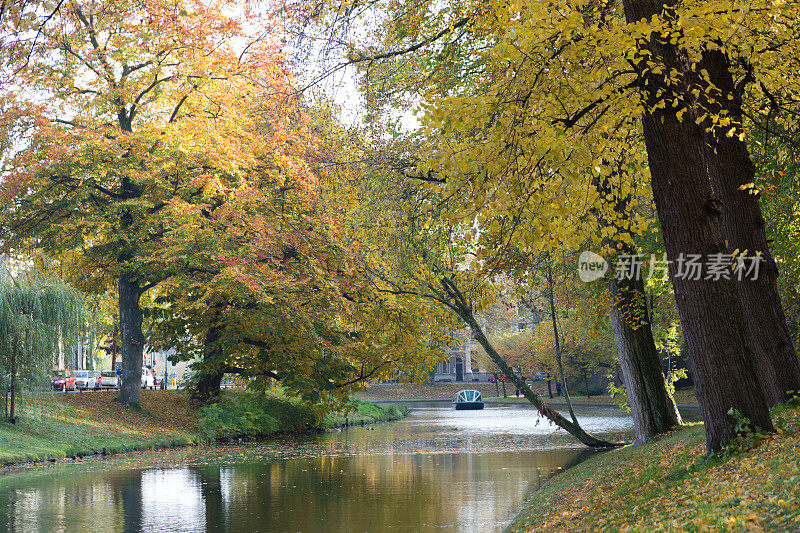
[[468, 400]]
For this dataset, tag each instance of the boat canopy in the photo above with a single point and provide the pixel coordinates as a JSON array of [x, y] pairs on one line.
[[468, 396]]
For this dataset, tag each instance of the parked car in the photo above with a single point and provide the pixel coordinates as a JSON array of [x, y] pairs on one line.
[[109, 379], [87, 379], [63, 380]]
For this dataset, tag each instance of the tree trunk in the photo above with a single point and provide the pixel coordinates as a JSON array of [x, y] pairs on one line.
[[558, 388], [210, 371], [573, 428], [504, 390], [553, 317], [114, 347], [549, 389], [458, 303], [730, 167], [720, 357], [586, 383], [130, 319], [653, 410], [208, 386], [12, 387]]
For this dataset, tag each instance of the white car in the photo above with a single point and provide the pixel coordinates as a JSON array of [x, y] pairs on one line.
[[87, 379], [109, 379]]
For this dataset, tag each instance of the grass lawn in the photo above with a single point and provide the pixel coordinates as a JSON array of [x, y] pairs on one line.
[[666, 485], [55, 426]]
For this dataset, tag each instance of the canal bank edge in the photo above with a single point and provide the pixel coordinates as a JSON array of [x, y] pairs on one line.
[[669, 485], [62, 427]]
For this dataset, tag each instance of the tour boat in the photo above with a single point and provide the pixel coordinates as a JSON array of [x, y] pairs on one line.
[[468, 400]]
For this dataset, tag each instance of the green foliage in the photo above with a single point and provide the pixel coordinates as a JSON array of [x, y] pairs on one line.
[[363, 412], [747, 437], [254, 414], [620, 395], [38, 312]]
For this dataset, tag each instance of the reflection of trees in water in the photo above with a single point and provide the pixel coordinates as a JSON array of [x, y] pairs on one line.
[[129, 491], [211, 489], [472, 491]]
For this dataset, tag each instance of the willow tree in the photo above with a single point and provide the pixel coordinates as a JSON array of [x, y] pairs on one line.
[[38, 314]]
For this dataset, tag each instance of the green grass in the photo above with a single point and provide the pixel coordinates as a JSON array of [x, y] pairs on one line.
[[366, 413], [56, 426], [49, 428], [668, 485]]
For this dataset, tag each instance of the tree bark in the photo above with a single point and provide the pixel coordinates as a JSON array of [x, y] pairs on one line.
[[653, 410], [210, 372], [549, 389], [586, 383], [130, 319], [114, 347], [12, 387], [730, 167], [720, 357]]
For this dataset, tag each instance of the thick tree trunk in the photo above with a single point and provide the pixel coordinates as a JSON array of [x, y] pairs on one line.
[[130, 320], [730, 167], [653, 410], [720, 357], [210, 370]]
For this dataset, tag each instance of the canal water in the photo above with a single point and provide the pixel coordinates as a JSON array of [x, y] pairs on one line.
[[436, 470]]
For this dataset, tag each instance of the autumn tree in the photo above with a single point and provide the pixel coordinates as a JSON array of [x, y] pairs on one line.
[[133, 111], [517, 134]]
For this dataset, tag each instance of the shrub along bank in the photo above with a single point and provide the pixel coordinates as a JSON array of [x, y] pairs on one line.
[[668, 485], [55, 426]]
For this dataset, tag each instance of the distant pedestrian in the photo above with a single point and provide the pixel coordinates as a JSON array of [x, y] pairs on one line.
[[153, 371], [148, 379]]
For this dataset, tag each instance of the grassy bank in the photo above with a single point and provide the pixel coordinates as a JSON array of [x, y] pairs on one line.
[[55, 426], [366, 413], [685, 396], [666, 485]]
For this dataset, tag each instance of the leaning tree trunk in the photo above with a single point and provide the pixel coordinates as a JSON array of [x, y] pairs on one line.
[[720, 357], [130, 320], [458, 303], [653, 410], [730, 168]]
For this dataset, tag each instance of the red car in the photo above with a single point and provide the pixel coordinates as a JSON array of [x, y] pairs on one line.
[[63, 380]]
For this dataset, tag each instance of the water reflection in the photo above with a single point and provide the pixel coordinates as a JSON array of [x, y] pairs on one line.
[[434, 470]]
